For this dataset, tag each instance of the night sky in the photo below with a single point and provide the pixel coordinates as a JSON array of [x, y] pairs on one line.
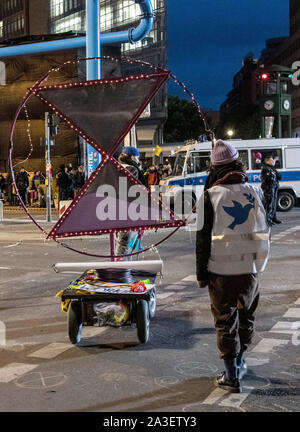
[[208, 39]]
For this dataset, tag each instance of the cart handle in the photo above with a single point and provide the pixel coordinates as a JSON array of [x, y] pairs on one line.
[[152, 266]]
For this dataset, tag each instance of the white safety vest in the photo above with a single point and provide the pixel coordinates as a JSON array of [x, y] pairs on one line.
[[240, 235]]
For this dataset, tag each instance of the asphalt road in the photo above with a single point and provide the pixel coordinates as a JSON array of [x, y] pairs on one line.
[[109, 371]]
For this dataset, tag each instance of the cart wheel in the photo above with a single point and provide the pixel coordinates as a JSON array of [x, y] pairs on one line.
[[142, 321], [152, 303], [74, 322]]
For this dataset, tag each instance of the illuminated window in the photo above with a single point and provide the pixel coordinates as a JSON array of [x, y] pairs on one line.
[[74, 22], [106, 17], [56, 8]]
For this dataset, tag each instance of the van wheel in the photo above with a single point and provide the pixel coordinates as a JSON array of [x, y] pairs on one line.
[[285, 202]]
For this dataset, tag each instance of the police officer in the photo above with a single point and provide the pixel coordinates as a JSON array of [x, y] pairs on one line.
[[232, 247], [270, 183]]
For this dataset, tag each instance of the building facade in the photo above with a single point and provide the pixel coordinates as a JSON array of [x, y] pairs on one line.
[[117, 15], [286, 55], [20, 22]]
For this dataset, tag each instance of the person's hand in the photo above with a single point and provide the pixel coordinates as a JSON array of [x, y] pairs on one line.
[[203, 284]]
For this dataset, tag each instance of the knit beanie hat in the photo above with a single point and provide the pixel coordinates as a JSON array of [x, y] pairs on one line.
[[223, 153]]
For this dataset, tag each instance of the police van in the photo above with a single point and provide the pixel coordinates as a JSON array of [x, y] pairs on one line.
[[185, 186]]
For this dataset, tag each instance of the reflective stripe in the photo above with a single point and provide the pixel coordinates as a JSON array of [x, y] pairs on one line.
[[250, 265], [239, 244], [251, 236]]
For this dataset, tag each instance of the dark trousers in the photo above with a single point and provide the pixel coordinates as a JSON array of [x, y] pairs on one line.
[[234, 300], [63, 194], [271, 196], [22, 193]]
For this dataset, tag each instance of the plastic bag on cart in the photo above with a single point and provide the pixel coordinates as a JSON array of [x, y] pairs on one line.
[[111, 314]]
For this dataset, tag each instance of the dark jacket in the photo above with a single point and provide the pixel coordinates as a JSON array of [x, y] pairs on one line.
[[22, 180], [79, 179], [62, 180], [2, 182], [133, 168], [222, 175], [269, 178]]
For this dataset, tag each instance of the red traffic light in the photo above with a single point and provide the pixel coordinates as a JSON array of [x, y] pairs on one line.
[[264, 76]]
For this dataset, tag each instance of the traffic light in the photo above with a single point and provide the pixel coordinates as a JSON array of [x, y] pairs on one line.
[[266, 76], [53, 124]]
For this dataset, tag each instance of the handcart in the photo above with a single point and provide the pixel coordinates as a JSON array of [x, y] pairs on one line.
[[82, 307]]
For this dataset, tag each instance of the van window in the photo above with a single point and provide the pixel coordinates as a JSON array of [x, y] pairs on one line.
[[243, 156], [292, 157], [179, 163], [257, 157], [198, 162]]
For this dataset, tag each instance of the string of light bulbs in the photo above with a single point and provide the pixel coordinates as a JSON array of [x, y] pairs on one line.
[[39, 83]]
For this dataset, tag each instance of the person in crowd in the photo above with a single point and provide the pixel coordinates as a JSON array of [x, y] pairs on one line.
[[2, 185], [160, 170], [63, 183], [80, 178], [22, 182], [167, 169], [232, 247], [130, 159], [72, 186], [270, 183], [153, 177], [9, 189]]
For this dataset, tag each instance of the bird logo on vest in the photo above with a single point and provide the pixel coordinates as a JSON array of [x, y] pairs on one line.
[[240, 213]]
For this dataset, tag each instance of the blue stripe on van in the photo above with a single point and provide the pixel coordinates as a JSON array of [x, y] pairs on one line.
[[254, 177]]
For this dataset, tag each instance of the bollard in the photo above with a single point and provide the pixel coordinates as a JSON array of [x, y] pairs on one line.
[[1, 211]]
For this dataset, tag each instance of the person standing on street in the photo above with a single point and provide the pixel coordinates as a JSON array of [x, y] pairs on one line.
[[129, 159], [232, 247], [2, 185], [22, 182], [270, 183], [63, 182], [153, 177]]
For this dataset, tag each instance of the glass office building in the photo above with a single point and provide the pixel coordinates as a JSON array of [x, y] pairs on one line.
[[116, 15], [12, 18]]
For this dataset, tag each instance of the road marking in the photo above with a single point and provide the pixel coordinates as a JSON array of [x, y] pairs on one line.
[[190, 278], [235, 400], [253, 361], [298, 301], [267, 345], [5, 268], [284, 327], [217, 394], [164, 295], [51, 351], [15, 370], [292, 313]]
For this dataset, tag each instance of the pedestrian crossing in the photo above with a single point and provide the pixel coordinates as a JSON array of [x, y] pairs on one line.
[[55, 331], [59, 345]]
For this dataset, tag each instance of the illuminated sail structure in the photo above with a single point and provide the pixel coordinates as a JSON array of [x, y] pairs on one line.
[[102, 112]]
